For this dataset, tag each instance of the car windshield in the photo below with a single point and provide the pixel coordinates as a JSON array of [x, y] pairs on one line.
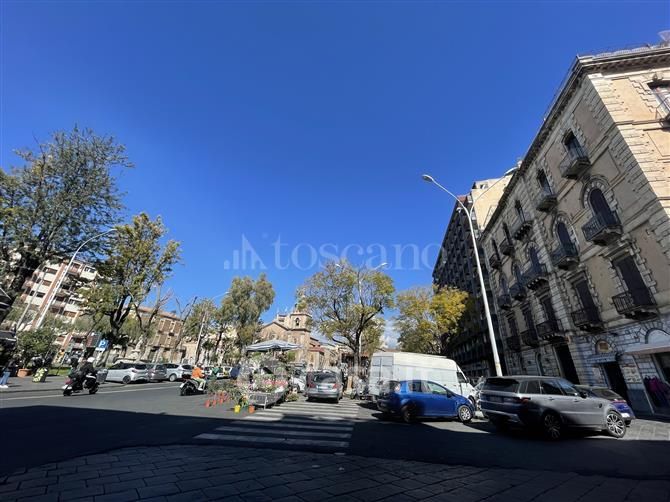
[[501, 384], [324, 378], [604, 393]]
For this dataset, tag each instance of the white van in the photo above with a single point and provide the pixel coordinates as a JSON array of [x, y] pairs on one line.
[[387, 366]]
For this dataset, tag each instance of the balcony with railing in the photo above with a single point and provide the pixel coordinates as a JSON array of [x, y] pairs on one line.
[[565, 256], [575, 162], [587, 319], [513, 343], [506, 247], [522, 227], [635, 304], [535, 276], [518, 291], [530, 338], [551, 331], [603, 228], [546, 200], [494, 261], [505, 302]]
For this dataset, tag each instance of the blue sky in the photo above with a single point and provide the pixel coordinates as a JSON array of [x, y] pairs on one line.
[[307, 121]]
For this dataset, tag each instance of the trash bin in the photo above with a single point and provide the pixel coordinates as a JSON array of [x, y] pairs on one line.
[[41, 375]]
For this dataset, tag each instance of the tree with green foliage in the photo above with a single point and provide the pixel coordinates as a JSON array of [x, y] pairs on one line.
[[244, 305], [137, 263], [63, 194], [428, 317], [345, 303], [200, 324], [36, 343]]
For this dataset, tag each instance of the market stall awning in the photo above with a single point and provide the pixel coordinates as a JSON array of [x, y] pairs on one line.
[[649, 348], [270, 345]]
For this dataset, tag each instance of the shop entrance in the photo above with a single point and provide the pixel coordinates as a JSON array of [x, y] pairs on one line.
[[615, 379], [566, 362]]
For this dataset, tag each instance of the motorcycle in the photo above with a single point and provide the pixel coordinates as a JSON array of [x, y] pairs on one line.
[[74, 384], [190, 387]]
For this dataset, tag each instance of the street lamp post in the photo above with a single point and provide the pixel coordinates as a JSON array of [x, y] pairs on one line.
[[482, 285], [50, 299]]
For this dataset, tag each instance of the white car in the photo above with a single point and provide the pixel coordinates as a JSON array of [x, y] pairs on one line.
[[127, 373], [177, 371]]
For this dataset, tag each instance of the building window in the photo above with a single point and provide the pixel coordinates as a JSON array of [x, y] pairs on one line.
[[297, 323], [584, 295], [513, 328], [517, 274], [662, 93], [519, 211], [504, 287], [564, 236], [631, 278], [572, 145], [495, 248], [508, 236], [534, 259], [543, 181], [599, 204]]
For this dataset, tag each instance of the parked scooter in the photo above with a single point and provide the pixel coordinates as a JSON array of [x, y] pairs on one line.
[[74, 384], [190, 387]]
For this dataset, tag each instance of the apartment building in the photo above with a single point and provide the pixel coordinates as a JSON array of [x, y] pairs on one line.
[[579, 245], [456, 267]]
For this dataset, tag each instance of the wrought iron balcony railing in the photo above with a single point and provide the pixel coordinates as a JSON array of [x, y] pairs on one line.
[[603, 228], [550, 330], [587, 319], [565, 256], [530, 337], [546, 200], [637, 303], [517, 291], [505, 301], [506, 247], [575, 162], [535, 276], [522, 227]]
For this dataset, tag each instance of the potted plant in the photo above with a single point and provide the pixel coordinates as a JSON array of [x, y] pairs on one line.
[[32, 344]]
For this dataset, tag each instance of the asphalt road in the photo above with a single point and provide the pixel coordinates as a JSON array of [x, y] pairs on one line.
[[46, 427]]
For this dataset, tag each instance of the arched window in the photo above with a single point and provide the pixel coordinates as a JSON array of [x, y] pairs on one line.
[[564, 236], [297, 323], [599, 205], [519, 211]]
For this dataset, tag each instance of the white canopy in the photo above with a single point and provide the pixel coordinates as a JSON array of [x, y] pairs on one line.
[[271, 345]]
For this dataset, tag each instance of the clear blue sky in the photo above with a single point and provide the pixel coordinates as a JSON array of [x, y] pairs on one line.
[[306, 120]]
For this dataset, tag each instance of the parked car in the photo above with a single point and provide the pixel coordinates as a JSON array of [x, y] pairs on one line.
[[413, 399], [127, 372], [406, 366], [619, 402], [548, 403], [324, 385], [156, 372], [177, 371]]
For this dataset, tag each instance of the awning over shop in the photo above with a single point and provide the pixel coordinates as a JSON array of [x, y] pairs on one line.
[[649, 348], [609, 357]]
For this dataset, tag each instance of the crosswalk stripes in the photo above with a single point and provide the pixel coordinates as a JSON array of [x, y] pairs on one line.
[[298, 424]]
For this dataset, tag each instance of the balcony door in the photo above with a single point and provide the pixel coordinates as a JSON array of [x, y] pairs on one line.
[[632, 278], [585, 298], [563, 235], [599, 206], [534, 259]]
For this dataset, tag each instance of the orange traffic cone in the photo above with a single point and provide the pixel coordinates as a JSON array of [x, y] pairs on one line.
[[207, 403]]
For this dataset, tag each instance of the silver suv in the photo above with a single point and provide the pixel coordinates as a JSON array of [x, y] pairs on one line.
[[550, 403], [177, 371]]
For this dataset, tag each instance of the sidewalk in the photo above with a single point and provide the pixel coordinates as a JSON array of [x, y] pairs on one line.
[[26, 384], [188, 473]]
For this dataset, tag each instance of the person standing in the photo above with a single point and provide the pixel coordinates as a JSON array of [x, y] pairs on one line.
[[9, 363]]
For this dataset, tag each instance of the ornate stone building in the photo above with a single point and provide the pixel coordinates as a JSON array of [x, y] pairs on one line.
[[580, 241]]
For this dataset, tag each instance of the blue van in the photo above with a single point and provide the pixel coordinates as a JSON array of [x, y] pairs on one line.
[[413, 399]]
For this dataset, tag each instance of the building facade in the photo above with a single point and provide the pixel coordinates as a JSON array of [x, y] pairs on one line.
[[456, 267], [579, 244]]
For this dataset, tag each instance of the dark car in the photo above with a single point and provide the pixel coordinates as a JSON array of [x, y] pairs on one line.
[[412, 399], [551, 404], [605, 393]]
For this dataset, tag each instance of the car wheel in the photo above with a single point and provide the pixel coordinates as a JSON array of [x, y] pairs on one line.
[[552, 426], [616, 427], [464, 414], [126, 379], [408, 414], [173, 377]]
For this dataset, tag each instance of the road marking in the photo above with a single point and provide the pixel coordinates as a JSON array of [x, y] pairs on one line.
[[60, 394], [294, 424], [274, 440], [273, 430]]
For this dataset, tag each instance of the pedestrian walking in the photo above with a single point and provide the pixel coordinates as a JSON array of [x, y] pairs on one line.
[[9, 363]]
